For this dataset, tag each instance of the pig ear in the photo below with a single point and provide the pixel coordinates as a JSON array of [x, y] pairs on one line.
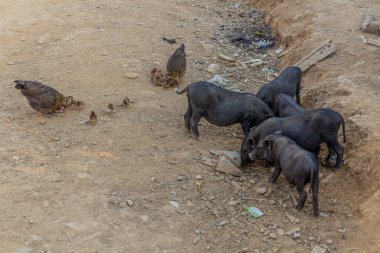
[[278, 133], [268, 144]]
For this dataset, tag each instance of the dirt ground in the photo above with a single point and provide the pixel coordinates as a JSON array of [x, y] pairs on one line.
[[129, 183]]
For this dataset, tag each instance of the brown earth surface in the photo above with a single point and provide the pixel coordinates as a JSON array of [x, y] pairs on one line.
[[129, 183]]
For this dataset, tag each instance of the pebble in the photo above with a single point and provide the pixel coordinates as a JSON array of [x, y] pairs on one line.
[[42, 122], [268, 193], [294, 230], [123, 204], [144, 218], [296, 235], [10, 63], [212, 68], [45, 203], [261, 190], [222, 223], [244, 250], [131, 75], [233, 203], [181, 178], [280, 231], [153, 179], [329, 241], [129, 202], [318, 249], [272, 236], [198, 177], [174, 203]]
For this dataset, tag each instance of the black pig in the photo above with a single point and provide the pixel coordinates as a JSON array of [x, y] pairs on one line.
[[307, 129], [298, 166], [223, 107], [288, 82]]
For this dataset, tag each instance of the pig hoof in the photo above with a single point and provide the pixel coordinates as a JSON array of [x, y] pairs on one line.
[[316, 213], [271, 180]]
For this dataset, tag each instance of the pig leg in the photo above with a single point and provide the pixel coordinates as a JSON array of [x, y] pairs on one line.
[[302, 196], [316, 151], [194, 120], [187, 116], [337, 148], [331, 152], [276, 173], [314, 190]]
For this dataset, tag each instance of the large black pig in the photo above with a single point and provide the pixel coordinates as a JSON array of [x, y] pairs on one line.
[[223, 107], [288, 82], [298, 166], [307, 129]]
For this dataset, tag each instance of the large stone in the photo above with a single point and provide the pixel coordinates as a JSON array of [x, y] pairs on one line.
[[225, 166]]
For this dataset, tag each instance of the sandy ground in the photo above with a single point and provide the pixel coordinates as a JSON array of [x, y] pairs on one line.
[[65, 185]]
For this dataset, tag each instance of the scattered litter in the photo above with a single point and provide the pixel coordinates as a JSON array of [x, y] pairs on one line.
[[370, 41], [255, 212], [279, 50], [213, 67], [219, 81], [226, 58]]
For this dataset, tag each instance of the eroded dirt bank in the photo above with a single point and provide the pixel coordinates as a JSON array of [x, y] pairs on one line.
[[349, 81]]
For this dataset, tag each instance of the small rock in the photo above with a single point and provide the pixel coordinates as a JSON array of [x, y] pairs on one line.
[[207, 161], [233, 203], [144, 218], [261, 190], [129, 202], [222, 223], [42, 122], [292, 231], [236, 185], [318, 249], [291, 218], [244, 250], [329, 241], [10, 63], [280, 231], [174, 203], [45, 203], [153, 179], [181, 178], [131, 75], [296, 235], [123, 204], [212, 68], [268, 193], [198, 177], [272, 236], [225, 166]]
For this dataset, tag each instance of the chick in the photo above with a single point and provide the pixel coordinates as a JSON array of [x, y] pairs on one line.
[[126, 101], [41, 97], [93, 119], [176, 66], [110, 109]]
